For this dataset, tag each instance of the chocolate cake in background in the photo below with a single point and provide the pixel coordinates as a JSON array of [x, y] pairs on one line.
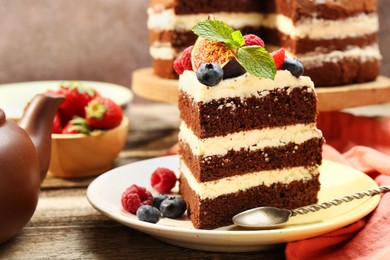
[[335, 40]]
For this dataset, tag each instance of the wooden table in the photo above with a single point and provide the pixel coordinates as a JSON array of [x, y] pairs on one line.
[[65, 226]]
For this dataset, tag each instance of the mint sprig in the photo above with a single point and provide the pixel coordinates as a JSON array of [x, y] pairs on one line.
[[255, 59]]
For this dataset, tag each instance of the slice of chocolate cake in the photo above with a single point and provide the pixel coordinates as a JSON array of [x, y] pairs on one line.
[[247, 141]]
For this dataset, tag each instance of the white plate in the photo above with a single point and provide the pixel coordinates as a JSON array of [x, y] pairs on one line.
[[337, 180], [15, 96]]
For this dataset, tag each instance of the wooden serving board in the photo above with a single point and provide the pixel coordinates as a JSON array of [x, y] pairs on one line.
[[147, 85]]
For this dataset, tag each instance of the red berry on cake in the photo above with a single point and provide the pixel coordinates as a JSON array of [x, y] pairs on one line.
[[252, 39], [134, 197], [163, 180], [177, 66], [183, 62], [186, 58], [278, 56]]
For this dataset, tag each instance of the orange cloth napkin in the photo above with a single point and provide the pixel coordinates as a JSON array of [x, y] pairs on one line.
[[368, 238]]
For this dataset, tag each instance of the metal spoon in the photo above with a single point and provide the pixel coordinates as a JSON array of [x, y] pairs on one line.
[[271, 217]]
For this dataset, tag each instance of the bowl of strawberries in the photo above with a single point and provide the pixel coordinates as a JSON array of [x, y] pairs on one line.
[[88, 132]]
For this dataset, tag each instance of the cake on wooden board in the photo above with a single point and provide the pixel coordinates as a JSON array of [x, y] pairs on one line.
[[336, 40], [246, 140]]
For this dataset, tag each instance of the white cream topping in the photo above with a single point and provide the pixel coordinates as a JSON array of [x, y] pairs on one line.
[[213, 189], [168, 20], [251, 140], [163, 51], [313, 28], [243, 86], [316, 59]]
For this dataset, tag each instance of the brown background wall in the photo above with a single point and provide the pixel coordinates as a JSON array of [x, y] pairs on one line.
[[102, 40]]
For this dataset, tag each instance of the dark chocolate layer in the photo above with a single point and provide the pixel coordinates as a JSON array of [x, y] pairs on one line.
[[164, 69], [278, 108], [304, 45], [183, 39], [332, 10], [218, 212], [208, 6], [295, 9], [241, 162], [345, 71]]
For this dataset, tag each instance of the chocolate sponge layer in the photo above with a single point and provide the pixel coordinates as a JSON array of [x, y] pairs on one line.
[[218, 212], [280, 107], [241, 162]]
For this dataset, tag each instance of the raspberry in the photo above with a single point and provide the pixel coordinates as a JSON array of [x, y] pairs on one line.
[[177, 66], [183, 62], [163, 180], [251, 39], [186, 58], [278, 57], [134, 197]]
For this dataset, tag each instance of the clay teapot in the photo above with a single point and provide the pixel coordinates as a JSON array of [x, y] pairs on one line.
[[24, 161]]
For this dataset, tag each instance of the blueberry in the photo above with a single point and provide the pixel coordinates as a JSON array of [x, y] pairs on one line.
[[209, 74], [294, 66], [157, 199], [148, 214], [173, 207]]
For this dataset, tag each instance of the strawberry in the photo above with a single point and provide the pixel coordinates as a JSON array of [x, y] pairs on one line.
[[56, 127], [278, 56], [77, 96], [103, 113], [76, 125]]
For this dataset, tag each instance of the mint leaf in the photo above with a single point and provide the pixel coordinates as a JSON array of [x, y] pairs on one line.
[[257, 61], [238, 38], [213, 30], [232, 44]]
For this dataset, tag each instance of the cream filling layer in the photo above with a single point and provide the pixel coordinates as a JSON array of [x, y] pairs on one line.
[[163, 51], [168, 20], [316, 59], [213, 189], [249, 140], [243, 86], [312, 28]]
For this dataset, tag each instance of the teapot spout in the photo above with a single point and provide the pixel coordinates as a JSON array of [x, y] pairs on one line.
[[37, 121]]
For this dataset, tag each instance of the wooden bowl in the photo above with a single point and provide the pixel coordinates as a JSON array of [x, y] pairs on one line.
[[78, 155]]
